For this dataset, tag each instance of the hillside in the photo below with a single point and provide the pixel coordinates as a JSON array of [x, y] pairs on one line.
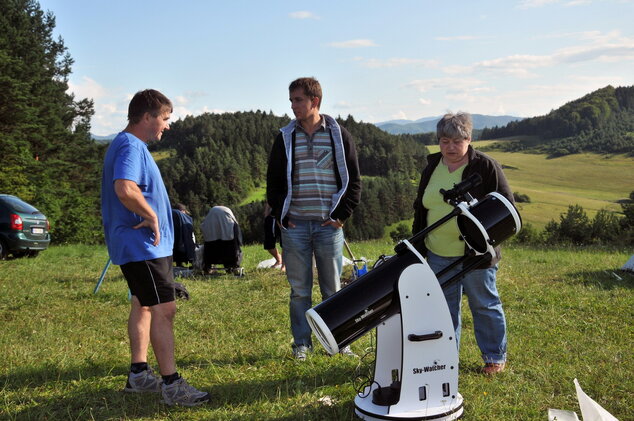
[[428, 124], [600, 122], [222, 158]]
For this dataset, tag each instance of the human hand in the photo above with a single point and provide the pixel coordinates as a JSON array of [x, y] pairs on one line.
[[337, 223], [290, 225], [154, 226]]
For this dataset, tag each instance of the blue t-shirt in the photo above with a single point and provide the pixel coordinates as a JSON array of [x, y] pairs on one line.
[[128, 158]]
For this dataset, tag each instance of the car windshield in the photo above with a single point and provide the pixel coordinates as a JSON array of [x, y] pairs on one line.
[[17, 205]]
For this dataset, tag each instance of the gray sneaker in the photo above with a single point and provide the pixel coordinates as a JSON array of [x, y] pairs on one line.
[[144, 381], [347, 351], [300, 352], [181, 393]]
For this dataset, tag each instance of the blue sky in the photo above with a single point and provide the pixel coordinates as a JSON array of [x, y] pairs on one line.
[[376, 60]]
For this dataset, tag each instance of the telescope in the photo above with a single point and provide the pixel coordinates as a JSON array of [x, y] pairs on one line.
[[416, 356]]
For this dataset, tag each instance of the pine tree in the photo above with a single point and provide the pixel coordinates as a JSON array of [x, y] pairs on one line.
[[44, 132]]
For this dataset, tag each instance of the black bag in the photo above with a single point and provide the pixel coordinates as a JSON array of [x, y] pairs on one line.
[[181, 291]]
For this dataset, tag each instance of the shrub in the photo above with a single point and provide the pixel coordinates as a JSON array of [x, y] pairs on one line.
[[521, 198], [528, 235], [401, 232], [605, 227], [574, 225]]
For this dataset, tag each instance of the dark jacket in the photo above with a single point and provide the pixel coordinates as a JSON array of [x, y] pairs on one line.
[[282, 164], [493, 180], [184, 247]]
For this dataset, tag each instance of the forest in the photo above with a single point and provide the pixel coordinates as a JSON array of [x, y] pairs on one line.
[[219, 159]]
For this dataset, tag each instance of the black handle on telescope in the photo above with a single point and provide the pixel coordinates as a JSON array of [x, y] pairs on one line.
[[420, 338]]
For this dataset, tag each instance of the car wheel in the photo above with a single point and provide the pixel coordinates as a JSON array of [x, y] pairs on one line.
[[3, 250]]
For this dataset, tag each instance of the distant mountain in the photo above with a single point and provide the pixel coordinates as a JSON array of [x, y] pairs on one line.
[[103, 139], [395, 122], [428, 124]]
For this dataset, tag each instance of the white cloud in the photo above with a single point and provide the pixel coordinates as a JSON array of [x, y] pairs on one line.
[[206, 109], [111, 110], [578, 2], [374, 63], [110, 116], [303, 15], [86, 88], [517, 65], [353, 43], [601, 47], [180, 99], [457, 38], [454, 85], [604, 52], [400, 115], [529, 100], [583, 35], [111, 107], [424, 101], [180, 111], [343, 105], [527, 4]]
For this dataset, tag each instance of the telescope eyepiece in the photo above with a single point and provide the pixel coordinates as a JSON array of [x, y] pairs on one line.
[[460, 190]]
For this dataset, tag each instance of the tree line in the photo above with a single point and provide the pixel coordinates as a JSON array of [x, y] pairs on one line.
[[576, 228], [601, 122], [48, 157], [219, 159]]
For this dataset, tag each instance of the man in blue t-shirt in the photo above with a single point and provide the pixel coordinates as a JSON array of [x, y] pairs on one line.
[[139, 232]]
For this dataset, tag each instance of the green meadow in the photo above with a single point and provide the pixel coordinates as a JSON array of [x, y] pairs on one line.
[[65, 349], [590, 180]]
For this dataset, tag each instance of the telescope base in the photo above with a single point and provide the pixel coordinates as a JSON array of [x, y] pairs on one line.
[[366, 410], [416, 364]]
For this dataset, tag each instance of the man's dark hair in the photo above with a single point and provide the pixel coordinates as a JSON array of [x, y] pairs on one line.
[[309, 85], [148, 101]]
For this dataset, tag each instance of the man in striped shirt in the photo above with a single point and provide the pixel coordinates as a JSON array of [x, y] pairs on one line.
[[313, 185]]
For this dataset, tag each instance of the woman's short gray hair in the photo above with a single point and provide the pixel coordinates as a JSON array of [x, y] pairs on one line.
[[455, 126]]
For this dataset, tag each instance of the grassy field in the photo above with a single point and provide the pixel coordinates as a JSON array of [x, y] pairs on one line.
[[65, 351], [590, 180]]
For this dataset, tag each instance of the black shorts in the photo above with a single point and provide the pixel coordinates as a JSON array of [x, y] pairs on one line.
[[151, 281], [271, 233]]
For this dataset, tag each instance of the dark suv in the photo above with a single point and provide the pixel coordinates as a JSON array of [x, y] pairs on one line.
[[23, 229]]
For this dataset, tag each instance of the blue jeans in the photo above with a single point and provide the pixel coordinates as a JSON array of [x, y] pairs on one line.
[[489, 323], [309, 238]]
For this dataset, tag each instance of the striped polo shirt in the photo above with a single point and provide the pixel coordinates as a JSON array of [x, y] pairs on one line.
[[314, 179]]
